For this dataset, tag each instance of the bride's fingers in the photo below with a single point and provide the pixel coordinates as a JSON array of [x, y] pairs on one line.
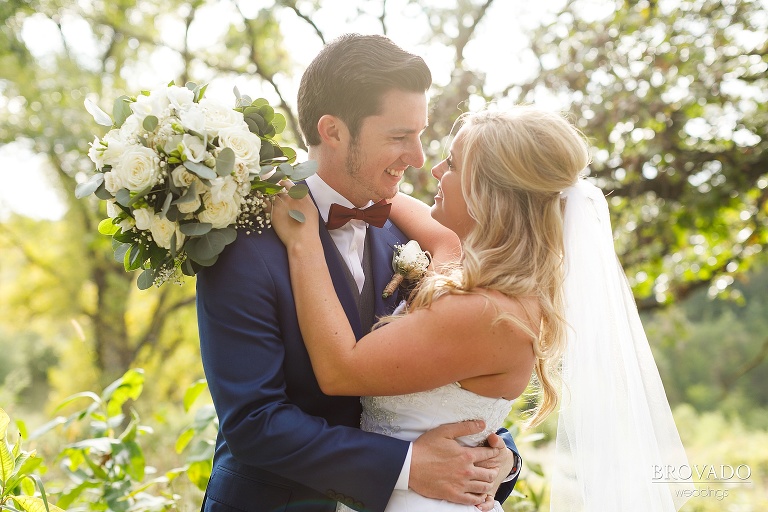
[[487, 505], [286, 183]]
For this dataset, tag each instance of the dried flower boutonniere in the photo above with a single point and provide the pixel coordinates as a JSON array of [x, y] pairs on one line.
[[408, 262]]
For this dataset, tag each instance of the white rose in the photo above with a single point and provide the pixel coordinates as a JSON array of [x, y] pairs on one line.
[[192, 148], [143, 217], [223, 189], [112, 182], [193, 119], [96, 153], [245, 144], [191, 206], [154, 104], [116, 146], [218, 116], [180, 97], [220, 214], [138, 168], [171, 143], [181, 177], [162, 230]]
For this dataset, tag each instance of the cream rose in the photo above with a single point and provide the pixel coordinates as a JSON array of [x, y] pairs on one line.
[[181, 177], [162, 230], [219, 116], [116, 145], [220, 214], [245, 144], [138, 168], [191, 206], [143, 217], [112, 182]]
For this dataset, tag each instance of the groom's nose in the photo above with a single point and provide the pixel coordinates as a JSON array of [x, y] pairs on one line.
[[414, 153]]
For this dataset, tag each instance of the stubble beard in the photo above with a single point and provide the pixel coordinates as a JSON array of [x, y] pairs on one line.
[[361, 183]]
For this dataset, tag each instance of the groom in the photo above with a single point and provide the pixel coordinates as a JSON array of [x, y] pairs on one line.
[[283, 444]]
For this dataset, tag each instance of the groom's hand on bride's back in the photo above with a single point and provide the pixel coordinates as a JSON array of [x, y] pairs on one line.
[[441, 468]]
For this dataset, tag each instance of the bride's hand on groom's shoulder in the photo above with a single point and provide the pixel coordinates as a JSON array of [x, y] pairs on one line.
[[296, 221], [443, 469]]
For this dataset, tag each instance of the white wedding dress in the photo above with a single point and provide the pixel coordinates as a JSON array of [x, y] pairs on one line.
[[408, 416]]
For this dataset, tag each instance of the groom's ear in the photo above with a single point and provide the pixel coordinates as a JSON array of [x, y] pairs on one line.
[[333, 131]]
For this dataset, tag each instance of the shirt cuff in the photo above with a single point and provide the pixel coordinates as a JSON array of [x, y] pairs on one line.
[[405, 473], [515, 470]]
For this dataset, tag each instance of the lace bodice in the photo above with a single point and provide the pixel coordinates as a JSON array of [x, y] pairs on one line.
[[408, 416]]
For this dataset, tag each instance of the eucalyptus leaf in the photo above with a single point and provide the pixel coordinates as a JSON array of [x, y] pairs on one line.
[[89, 187], [166, 205], [146, 279], [266, 152], [188, 268], [259, 102], [297, 215], [189, 196], [279, 175], [102, 193], [123, 197], [285, 168], [225, 162], [107, 227], [150, 123], [290, 153], [304, 170], [99, 115], [236, 91], [192, 86], [121, 110], [195, 228], [200, 169], [298, 191], [120, 251], [278, 122], [210, 245], [141, 194]]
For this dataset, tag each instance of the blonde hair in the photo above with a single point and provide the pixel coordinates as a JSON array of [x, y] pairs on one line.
[[514, 165]]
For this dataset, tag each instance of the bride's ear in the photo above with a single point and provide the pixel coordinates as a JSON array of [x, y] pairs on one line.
[[333, 131]]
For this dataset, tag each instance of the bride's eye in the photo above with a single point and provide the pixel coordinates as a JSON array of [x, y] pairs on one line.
[[449, 162]]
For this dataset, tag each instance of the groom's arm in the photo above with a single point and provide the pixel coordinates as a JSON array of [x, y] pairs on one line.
[[243, 352]]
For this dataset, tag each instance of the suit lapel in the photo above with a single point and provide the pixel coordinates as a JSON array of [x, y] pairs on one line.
[[340, 282], [383, 242]]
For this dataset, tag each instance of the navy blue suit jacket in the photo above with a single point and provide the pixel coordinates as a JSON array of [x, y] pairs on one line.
[[282, 443]]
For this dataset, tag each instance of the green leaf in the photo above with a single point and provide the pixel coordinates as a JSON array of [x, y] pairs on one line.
[[123, 197], [129, 386], [33, 504], [136, 463], [278, 176], [193, 392], [211, 244], [297, 215], [298, 191], [99, 115], [183, 440], [132, 259], [279, 123], [192, 86], [150, 123], [267, 152], [102, 193], [200, 92], [107, 227], [146, 279], [225, 162], [6, 458], [87, 188], [289, 153], [121, 110], [304, 170], [199, 473], [195, 228], [200, 169], [189, 196]]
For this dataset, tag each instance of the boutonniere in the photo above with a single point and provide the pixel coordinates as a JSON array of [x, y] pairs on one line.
[[408, 262]]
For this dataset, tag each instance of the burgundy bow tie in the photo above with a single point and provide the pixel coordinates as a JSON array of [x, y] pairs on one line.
[[376, 214]]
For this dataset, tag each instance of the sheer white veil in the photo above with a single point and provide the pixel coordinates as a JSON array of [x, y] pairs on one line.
[[616, 436]]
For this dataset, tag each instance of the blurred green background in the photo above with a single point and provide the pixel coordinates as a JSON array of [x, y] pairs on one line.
[[672, 94]]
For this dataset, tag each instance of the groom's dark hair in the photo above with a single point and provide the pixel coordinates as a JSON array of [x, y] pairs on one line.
[[350, 75]]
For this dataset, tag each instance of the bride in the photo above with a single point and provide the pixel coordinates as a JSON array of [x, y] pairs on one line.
[[537, 290]]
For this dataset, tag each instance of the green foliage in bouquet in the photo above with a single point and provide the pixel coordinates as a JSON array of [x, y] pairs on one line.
[[182, 174]]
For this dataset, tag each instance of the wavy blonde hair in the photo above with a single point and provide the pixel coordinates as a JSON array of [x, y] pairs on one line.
[[514, 165]]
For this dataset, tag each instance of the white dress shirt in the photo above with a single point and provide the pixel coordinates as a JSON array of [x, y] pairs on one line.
[[350, 241]]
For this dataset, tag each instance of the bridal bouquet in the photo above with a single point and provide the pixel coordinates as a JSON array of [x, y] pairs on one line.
[[182, 174]]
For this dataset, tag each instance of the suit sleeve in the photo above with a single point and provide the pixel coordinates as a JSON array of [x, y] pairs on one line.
[[505, 489], [241, 314]]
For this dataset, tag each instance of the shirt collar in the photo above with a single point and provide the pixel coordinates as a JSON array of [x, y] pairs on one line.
[[324, 195]]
